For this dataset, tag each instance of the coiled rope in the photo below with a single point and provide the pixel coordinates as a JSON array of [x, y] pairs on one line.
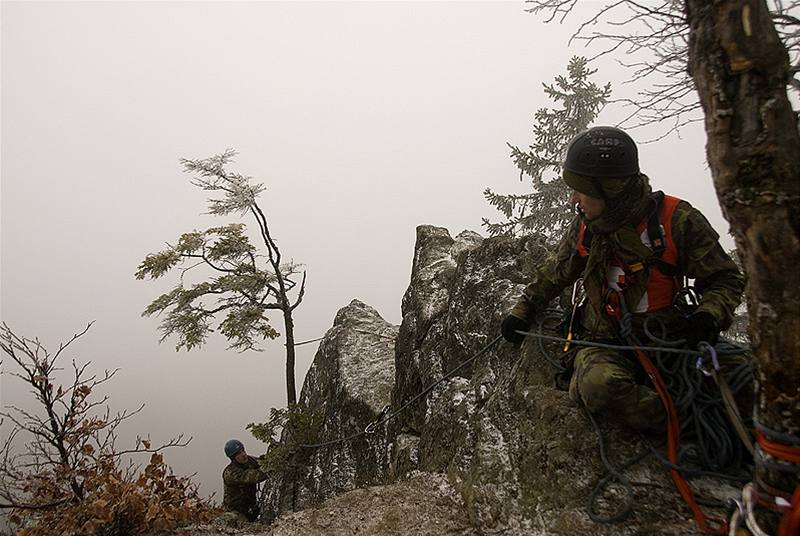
[[709, 447]]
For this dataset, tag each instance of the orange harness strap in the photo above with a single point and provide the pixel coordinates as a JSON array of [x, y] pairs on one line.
[[673, 442], [790, 521]]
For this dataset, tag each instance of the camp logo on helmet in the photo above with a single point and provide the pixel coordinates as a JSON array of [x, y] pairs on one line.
[[605, 142]]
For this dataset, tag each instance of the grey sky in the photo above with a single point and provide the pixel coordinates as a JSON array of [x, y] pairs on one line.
[[364, 120]]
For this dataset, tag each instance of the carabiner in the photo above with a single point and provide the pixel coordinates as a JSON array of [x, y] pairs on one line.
[[370, 429]]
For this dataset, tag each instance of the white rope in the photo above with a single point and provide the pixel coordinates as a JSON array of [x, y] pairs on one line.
[[748, 496]]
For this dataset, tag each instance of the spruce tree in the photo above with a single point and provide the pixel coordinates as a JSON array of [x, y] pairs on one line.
[[546, 209]]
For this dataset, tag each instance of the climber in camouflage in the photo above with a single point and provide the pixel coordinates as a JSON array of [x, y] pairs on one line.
[[610, 245], [241, 478]]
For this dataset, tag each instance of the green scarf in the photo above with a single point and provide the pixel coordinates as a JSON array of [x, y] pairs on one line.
[[614, 233]]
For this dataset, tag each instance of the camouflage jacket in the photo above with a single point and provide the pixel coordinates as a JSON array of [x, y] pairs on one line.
[[700, 257], [240, 481]]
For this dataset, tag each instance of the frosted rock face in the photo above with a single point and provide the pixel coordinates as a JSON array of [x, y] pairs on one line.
[[425, 303], [349, 383], [522, 458]]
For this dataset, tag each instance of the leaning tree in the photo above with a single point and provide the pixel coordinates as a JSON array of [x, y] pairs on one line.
[[242, 284]]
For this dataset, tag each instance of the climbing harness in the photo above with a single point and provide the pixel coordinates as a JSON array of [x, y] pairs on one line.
[[385, 415], [661, 266]]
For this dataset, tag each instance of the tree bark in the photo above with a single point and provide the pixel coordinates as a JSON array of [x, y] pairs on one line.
[[288, 323], [741, 69]]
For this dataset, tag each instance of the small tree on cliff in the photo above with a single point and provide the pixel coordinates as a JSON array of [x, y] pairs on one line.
[[546, 209], [61, 472], [243, 287]]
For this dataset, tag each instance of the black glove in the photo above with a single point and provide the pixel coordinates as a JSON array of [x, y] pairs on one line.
[[511, 324], [701, 326]]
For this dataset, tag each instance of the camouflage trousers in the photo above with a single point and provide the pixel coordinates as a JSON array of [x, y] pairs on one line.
[[614, 384]]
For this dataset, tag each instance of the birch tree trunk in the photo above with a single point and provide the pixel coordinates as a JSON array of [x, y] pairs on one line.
[[740, 69]]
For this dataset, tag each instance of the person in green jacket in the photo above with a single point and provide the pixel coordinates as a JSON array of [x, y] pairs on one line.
[[609, 245], [240, 479]]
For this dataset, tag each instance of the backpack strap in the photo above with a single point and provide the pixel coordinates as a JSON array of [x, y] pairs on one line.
[[655, 229], [658, 237]]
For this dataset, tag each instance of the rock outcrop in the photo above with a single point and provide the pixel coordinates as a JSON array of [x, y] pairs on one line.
[[423, 505], [522, 457], [347, 386]]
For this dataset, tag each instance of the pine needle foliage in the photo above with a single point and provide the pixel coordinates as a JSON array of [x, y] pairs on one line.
[[286, 430], [246, 282], [546, 209], [240, 289]]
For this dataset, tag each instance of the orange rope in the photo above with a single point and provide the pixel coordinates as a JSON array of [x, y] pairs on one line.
[[790, 522], [777, 450], [673, 442]]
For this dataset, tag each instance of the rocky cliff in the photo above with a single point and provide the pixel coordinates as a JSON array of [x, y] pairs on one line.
[[348, 384], [520, 456]]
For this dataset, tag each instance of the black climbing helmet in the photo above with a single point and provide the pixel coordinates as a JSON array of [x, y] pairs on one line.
[[233, 447], [602, 152]]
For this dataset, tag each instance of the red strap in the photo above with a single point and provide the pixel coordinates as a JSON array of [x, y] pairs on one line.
[[673, 432], [673, 442], [778, 450], [790, 522]]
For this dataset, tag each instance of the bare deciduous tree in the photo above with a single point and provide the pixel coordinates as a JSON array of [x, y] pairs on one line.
[[651, 39], [60, 468]]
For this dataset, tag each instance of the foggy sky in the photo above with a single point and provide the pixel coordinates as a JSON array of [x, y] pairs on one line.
[[363, 120]]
